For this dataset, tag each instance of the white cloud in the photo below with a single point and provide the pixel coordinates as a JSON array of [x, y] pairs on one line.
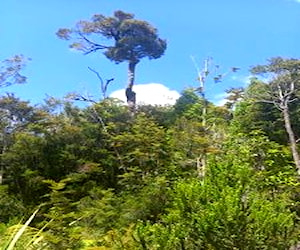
[[150, 93], [220, 99]]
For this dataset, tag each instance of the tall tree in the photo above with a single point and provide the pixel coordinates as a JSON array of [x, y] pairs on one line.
[[282, 90], [132, 40]]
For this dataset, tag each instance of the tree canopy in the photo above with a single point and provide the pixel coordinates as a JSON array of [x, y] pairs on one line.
[[10, 70], [282, 90], [132, 40]]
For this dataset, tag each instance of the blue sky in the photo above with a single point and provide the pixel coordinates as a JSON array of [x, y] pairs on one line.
[[238, 33]]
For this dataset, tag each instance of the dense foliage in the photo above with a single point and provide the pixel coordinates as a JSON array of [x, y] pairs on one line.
[[132, 182], [161, 177]]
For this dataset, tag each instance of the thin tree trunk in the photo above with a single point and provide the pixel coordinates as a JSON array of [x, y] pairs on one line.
[[201, 165], [131, 73], [130, 94], [292, 140]]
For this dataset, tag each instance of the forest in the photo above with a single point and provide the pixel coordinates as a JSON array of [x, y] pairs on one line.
[[109, 175]]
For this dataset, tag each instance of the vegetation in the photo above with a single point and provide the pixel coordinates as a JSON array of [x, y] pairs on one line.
[[132, 40], [98, 177], [10, 70]]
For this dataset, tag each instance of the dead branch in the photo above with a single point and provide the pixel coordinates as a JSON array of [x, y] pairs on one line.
[[103, 85]]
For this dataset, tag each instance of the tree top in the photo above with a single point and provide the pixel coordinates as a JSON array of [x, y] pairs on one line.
[[132, 39]]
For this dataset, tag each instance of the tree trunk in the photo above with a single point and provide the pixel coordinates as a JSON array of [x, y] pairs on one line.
[[130, 95], [292, 140], [131, 73]]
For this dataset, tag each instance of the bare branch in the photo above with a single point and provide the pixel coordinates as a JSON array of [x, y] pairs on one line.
[[295, 99], [97, 74], [276, 104], [292, 89], [103, 86], [94, 46], [83, 98], [280, 92]]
